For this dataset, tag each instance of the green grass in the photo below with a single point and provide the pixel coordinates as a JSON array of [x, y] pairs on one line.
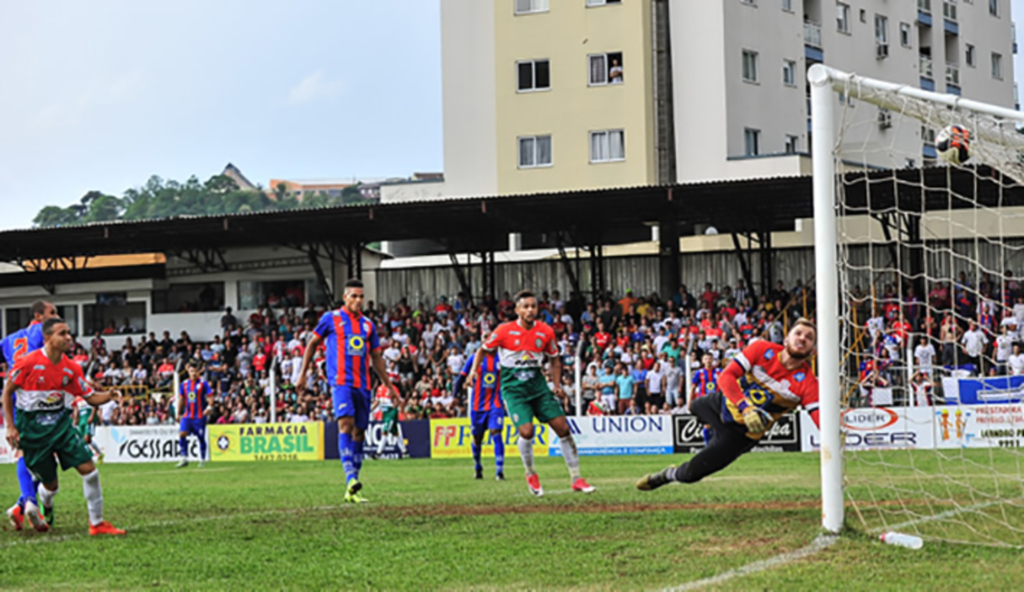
[[430, 526]]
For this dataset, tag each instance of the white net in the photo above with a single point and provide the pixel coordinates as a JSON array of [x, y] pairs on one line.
[[932, 307]]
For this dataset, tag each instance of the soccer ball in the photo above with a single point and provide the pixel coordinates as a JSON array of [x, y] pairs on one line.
[[953, 144]]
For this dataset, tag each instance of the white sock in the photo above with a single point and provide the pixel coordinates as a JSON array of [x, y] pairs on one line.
[[45, 496], [380, 445], [571, 456], [93, 496], [401, 444], [526, 453]]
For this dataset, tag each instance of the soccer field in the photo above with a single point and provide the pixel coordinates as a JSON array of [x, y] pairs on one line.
[[431, 526]]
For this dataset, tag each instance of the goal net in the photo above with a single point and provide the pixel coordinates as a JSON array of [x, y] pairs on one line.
[[929, 260]]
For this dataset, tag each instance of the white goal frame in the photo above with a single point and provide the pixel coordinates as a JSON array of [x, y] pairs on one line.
[[825, 82]]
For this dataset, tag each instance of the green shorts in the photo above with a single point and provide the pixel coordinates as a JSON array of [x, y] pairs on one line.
[[40, 443], [84, 428], [390, 420], [526, 396]]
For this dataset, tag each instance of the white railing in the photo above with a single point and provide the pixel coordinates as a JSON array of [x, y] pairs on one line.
[[812, 34], [953, 74], [925, 65]]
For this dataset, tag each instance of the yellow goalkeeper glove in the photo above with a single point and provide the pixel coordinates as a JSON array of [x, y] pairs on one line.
[[755, 418]]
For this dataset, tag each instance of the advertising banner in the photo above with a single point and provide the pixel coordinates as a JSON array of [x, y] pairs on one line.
[[451, 438], [784, 435], [618, 435], [267, 442], [878, 428], [979, 426], [979, 391], [416, 435], [139, 444]]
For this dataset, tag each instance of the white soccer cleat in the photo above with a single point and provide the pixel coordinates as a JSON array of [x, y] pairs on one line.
[[35, 518]]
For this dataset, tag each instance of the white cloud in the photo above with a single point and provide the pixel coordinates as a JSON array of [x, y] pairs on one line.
[[314, 87]]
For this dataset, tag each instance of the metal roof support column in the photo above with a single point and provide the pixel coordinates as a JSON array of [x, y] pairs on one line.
[[488, 288], [669, 275], [764, 240], [597, 285]]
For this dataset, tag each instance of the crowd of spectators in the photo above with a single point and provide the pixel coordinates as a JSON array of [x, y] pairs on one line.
[[634, 352]]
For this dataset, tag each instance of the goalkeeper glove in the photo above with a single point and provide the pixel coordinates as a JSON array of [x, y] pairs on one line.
[[755, 418]]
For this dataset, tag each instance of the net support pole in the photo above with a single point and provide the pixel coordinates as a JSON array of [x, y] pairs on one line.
[[827, 286], [176, 385], [578, 377], [272, 387]]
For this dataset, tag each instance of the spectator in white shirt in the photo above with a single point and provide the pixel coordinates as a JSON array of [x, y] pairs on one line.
[[974, 341], [924, 355], [1016, 361], [1004, 348]]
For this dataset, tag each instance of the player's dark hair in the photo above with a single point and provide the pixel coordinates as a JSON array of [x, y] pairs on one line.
[[49, 324], [520, 295], [39, 308], [353, 283]]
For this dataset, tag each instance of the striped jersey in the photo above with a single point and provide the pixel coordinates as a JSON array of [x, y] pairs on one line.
[[349, 338], [22, 342], [485, 393], [46, 391], [195, 392], [706, 381]]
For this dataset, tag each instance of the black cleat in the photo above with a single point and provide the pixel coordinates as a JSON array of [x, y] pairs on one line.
[[655, 480], [479, 474], [500, 476]]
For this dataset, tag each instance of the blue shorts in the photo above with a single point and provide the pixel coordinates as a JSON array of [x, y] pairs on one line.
[[350, 401], [196, 427], [487, 420]]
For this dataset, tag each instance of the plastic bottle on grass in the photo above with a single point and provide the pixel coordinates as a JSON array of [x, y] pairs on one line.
[[903, 540]]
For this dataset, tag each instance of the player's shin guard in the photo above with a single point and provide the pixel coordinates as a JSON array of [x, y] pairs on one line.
[[45, 497], [477, 465], [499, 454], [526, 453], [183, 447], [26, 483], [346, 452], [571, 455], [93, 496]]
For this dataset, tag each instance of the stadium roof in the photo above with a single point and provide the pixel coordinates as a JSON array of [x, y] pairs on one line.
[[475, 224]]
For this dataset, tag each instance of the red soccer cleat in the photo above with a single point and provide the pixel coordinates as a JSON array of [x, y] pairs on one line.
[[15, 516], [533, 482], [35, 518], [104, 528], [582, 486]]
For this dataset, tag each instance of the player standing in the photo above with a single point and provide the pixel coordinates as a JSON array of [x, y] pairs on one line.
[[391, 429], [16, 346], [194, 399], [47, 382], [352, 347], [761, 384], [522, 346], [486, 412]]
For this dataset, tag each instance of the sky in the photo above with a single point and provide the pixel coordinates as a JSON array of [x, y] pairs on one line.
[[101, 95]]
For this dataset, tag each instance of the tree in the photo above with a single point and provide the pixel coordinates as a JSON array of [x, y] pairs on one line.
[[53, 216]]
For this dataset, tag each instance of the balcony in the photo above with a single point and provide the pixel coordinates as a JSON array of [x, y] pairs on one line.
[[812, 42], [949, 22], [952, 74], [924, 12], [925, 66]]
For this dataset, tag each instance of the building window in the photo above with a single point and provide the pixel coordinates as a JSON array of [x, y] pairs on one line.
[[749, 65], [792, 144], [881, 29], [602, 2], [534, 151], [787, 5], [605, 68], [19, 318], [789, 72], [528, 6], [969, 55], [277, 294], [208, 297], [993, 7], [905, 34], [111, 315], [749, 2], [843, 17], [533, 75], [751, 141], [997, 66], [607, 146]]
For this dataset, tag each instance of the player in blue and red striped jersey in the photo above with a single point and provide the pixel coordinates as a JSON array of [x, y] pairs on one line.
[[194, 399], [16, 346], [705, 382], [352, 348], [486, 411]]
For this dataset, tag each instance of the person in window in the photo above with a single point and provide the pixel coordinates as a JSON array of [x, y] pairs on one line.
[[127, 327], [615, 72]]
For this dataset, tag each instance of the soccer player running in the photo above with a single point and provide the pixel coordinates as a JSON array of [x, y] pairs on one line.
[[390, 429], [352, 347], [522, 347], [16, 346], [761, 384], [47, 382], [486, 412], [194, 401]]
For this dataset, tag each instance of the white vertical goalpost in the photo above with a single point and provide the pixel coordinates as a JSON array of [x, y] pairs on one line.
[[966, 488]]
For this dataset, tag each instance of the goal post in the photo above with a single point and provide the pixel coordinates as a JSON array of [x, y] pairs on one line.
[[894, 220]]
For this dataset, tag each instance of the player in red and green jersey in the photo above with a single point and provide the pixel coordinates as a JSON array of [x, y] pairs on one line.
[[761, 384], [14, 347], [522, 347], [47, 382]]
